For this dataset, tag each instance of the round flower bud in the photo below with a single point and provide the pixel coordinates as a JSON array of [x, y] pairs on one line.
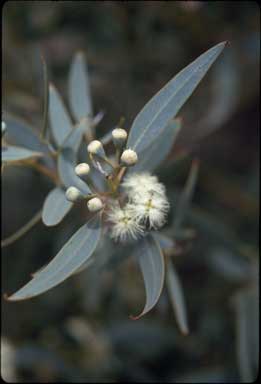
[[119, 137], [129, 157], [82, 169], [96, 148], [94, 204], [73, 194]]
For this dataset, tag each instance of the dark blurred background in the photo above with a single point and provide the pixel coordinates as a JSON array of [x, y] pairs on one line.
[[81, 330]]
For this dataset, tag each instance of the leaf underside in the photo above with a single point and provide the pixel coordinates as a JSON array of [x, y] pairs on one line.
[[55, 207], [12, 153], [154, 116], [71, 257], [152, 266], [79, 88], [60, 121]]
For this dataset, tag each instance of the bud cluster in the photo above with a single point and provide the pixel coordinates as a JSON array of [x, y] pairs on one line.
[[146, 205]]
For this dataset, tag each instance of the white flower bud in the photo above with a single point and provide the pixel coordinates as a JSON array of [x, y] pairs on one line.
[[82, 169], [3, 127], [129, 157], [119, 137], [95, 204], [96, 148], [73, 194]]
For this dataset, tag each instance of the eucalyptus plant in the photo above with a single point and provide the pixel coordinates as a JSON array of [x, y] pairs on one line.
[[122, 198]]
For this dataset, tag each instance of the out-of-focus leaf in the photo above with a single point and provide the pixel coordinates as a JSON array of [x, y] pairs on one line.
[[55, 207], [222, 105], [177, 298], [12, 153], [107, 138], [247, 312], [79, 88], [185, 198], [70, 258], [73, 140], [152, 266], [164, 241], [232, 267], [98, 118], [21, 133], [66, 164], [151, 157], [152, 119], [60, 121]]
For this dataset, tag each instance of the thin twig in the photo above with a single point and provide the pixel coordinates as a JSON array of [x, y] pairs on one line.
[[22, 231]]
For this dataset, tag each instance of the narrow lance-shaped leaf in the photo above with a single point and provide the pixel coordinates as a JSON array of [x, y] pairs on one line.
[[177, 298], [152, 119], [79, 88], [150, 158], [164, 241], [55, 207], [66, 165], [153, 269], [12, 153], [59, 119], [22, 134], [67, 161], [70, 258]]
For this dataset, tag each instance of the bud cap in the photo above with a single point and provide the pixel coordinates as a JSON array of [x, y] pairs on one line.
[[3, 127], [73, 194], [82, 169], [96, 148], [129, 157], [95, 204]]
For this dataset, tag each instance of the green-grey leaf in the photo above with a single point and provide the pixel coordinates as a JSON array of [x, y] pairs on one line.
[[21, 133], [60, 121], [70, 258], [74, 138], [150, 158], [177, 298], [12, 153], [66, 165], [79, 88], [185, 198], [152, 266], [154, 116], [67, 160], [55, 207], [164, 241]]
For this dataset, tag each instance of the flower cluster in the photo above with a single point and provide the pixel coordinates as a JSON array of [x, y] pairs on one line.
[[146, 208], [133, 206]]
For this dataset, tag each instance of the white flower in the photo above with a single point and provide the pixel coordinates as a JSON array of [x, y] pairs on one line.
[[148, 201], [141, 183], [124, 224], [95, 204], [151, 208], [129, 157]]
